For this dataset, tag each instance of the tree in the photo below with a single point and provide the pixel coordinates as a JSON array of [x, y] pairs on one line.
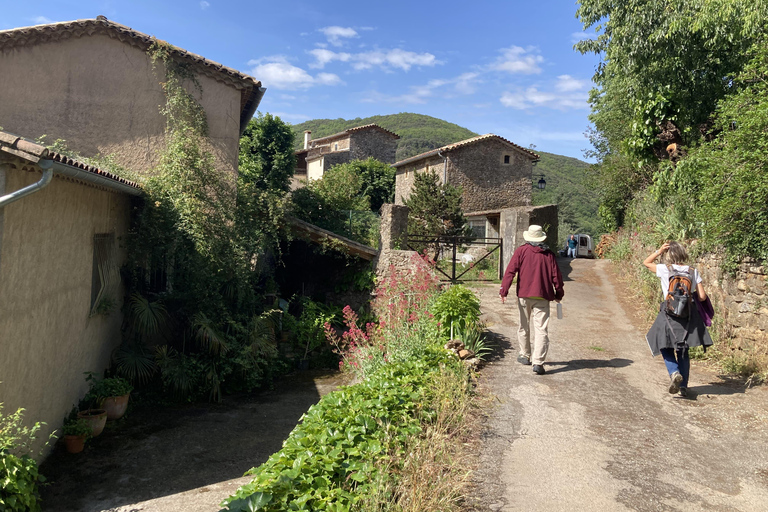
[[377, 180], [266, 157], [435, 208]]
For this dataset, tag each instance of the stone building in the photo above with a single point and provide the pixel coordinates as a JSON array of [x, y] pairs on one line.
[[91, 83], [357, 143], [494, 173]]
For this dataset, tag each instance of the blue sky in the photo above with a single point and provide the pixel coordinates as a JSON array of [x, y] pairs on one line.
[[503, 67]]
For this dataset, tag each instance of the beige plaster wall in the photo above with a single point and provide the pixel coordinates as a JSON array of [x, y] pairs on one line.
[[102, 96], [315, 169], [47, 339]]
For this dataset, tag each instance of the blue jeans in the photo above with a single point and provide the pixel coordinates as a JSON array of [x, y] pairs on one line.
[[571, 252], [677, 361]]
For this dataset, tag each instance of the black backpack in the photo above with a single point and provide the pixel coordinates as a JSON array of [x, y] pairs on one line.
[[679, 299]]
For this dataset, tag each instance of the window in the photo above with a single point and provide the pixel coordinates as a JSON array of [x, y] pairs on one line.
[[336, 147], [506, 159], [106, 275], [478, 228]]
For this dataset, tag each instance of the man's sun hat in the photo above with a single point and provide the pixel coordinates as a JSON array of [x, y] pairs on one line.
[[534, 234]]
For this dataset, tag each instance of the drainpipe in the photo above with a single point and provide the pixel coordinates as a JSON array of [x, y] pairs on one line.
[[445, 167], [47, 167]]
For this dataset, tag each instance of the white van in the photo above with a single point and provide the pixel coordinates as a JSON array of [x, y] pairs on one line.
[[585, 249]]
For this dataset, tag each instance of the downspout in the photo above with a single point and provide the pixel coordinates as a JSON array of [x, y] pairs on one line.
[[445, 167], [47, 167]]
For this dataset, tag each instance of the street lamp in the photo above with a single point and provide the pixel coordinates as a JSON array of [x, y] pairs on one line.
[[541, 183]]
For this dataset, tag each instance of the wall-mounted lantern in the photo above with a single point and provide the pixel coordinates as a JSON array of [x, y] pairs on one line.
[[541, 183]]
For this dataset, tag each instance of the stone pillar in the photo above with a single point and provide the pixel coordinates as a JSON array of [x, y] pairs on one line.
[[393, 232], [514, 221]]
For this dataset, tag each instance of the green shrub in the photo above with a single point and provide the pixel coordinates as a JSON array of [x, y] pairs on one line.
[[335, 457], [456, 307], [19, 475]]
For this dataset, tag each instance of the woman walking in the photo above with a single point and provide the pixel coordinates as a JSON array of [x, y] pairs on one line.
[[678, 325]]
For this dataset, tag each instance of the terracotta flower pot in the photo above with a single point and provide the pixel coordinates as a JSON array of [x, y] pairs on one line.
[[96, 418], [115, 406], [74, 444]]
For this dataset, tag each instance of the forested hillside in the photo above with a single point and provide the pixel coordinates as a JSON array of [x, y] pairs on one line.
[[565, 176], [418, 133]]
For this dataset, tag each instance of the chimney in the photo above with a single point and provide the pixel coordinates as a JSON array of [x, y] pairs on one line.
[[307, 137]]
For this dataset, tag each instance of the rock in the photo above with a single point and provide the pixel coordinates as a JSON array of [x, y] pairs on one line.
[[465, 354], [454, 345]]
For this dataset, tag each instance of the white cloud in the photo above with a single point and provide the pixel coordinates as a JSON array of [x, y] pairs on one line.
[[204, 5], [384, 59], [580, 36], [335, 34], [323, 57], [518, 60], [419, 94], [41, 20], [533, 97], [277, 72], [291, 117], [566, 83]]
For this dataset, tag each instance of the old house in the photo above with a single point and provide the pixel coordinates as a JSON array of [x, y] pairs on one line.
[[359, 143], [494, 173], [93, 84]]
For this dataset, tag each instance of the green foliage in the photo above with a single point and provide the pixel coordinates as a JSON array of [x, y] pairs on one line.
[[19, 474], [310, 326], [335, 457], [200, 252], [77, 427], [266, 157], [377, 180], [435, 209], [107, 387], [456, 308], [693, 74], [471, 335], [418, 133], [340, 201], [569, 187]]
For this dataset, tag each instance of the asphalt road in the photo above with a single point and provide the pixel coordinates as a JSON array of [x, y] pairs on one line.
[[599, 431]]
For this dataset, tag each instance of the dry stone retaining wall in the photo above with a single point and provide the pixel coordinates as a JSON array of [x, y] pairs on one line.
[[741, 300]]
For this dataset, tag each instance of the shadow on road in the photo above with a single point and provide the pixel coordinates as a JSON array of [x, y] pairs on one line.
[[165, 450], [500, 344], [587, 364], [565, 267], [717, 389]]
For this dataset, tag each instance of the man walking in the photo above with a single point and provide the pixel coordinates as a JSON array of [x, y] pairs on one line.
[[572, 244], [539, 282]]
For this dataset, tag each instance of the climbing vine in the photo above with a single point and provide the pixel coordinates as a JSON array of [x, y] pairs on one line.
[[196, 253]]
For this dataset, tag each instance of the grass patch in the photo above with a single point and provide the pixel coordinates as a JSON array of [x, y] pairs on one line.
[[596, 348]]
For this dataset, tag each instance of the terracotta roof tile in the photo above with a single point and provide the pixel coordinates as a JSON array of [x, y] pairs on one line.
[[19, 146], [468, 142], [356, 129]]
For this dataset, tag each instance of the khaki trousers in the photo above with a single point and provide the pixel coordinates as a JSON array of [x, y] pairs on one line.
[[534, 314]]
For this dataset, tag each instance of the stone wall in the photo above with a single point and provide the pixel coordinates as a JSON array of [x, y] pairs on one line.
[[740, 300], [488, 182], [374, 143], [393, 232], [516, 220]]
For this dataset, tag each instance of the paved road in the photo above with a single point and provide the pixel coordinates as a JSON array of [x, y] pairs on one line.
[[599, 431]]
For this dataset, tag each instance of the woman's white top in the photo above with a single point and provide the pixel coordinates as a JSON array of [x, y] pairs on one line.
[[663, 274]]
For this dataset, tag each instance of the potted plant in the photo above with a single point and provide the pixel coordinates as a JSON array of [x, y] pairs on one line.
[[76, 432], [111, 393], [95, 418]]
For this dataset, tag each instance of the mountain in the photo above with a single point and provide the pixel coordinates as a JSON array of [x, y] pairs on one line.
[[566, 177]]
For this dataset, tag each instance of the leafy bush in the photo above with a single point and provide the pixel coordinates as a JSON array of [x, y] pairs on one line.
[[456, 307], [472, 337], [334, 458], [19, 475], [107, 387], [310, 326]]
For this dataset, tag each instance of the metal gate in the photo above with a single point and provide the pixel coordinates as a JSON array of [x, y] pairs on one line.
[[447, 248]]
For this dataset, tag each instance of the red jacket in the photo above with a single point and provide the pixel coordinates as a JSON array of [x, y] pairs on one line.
[[537, 271]]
